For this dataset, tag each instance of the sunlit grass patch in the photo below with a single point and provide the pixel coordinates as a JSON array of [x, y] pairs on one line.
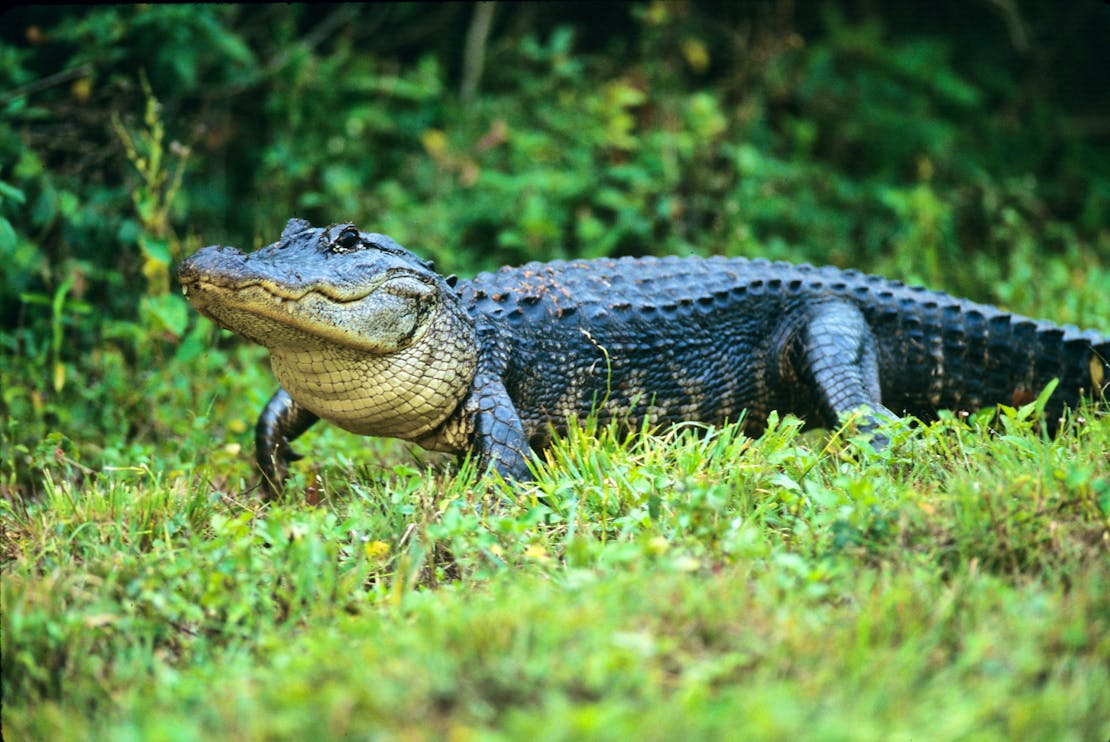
[[690, 580]]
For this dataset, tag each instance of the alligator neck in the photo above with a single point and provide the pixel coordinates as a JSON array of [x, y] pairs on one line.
[[404, 394]]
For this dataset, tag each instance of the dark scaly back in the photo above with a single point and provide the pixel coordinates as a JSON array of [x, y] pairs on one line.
[[704, 336], [663, 339]]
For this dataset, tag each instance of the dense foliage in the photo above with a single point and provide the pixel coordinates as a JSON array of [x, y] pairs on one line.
[[960, 145]]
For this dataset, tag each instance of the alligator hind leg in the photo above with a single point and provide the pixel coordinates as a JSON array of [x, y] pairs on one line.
[[281, 421], [838, 357]]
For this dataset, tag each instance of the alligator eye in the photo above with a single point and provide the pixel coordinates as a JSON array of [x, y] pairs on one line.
[[348, 239]]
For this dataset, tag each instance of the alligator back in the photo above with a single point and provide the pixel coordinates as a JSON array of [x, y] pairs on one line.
[[672, 339]]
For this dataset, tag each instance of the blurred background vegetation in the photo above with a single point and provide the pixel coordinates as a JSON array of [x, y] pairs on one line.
[[963, 145]]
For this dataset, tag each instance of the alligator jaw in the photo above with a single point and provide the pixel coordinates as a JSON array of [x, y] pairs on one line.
[[380, 314]]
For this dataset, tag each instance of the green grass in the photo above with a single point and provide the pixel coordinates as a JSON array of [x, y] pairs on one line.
[[688, 584]]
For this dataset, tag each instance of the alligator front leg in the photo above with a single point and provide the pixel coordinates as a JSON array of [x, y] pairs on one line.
[[499, 439], [281, 421]]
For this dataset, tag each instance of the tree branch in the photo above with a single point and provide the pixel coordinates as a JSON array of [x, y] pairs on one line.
[[474, 57]]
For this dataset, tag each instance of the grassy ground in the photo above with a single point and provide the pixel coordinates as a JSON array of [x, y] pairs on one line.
[[686, 585]]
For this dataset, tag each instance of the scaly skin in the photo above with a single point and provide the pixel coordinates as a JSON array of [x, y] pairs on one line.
[[366, 335]]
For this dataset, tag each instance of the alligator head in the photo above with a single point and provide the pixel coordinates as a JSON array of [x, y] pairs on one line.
[[360, 330], [336, 285]]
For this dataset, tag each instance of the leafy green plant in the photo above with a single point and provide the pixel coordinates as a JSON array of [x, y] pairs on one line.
[[155, 195]]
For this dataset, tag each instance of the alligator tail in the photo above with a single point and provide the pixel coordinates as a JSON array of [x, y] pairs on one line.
[[1015, 358], [938, 352]]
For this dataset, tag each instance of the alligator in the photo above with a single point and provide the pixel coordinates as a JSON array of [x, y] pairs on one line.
[[367, 335]]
